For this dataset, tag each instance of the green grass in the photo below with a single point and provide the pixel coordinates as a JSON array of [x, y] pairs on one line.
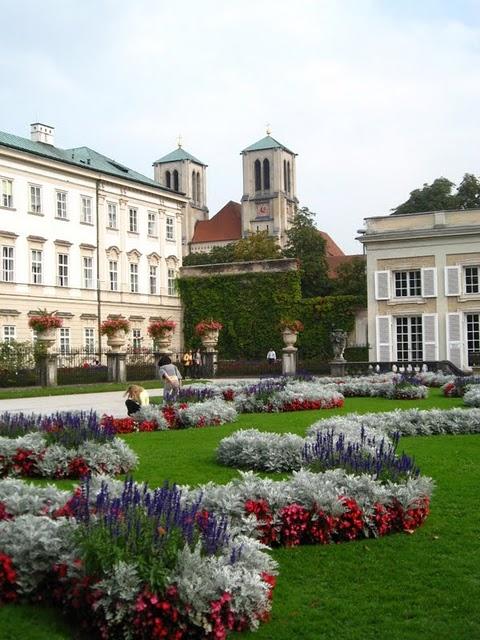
[[424, 586]]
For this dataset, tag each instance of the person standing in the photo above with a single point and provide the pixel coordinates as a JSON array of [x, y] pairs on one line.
[[172, 380], [187, 361], [137, 397], [271, 357], [197, 364]]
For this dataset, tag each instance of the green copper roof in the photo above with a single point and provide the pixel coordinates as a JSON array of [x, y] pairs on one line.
[[179, 154], [266, 143], [79, 156]]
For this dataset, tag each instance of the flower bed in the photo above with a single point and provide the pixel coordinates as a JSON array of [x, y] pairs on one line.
[[200, 580], [61, 445], [472, 396], [457, 387]]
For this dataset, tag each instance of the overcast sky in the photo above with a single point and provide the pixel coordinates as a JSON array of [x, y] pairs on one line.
[[376, 97]]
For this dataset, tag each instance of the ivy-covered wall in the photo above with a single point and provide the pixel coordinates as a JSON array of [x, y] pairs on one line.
[[320, 316], [249, 305]]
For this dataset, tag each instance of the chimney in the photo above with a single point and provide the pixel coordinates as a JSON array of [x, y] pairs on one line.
[[42, 133]]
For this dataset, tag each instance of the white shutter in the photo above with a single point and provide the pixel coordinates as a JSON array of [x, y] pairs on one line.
[[454, 339], [382, 285], [452, 281], [384, 338], [429, 282], [430, 336]]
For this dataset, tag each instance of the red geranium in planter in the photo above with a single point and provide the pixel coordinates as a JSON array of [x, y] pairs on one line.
[[291, 325], [110, 327], [204, 326], [158, 328], [44, 320]]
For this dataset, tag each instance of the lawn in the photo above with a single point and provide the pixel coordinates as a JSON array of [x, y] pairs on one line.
[[400, 587]]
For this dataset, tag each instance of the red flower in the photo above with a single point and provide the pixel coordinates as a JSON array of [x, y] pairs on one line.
[[8, 576]]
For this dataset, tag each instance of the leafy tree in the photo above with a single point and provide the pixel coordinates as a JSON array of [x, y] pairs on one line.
[[258, 246], [305, 243], [431, 197], [468, 193], [217, 255], [351, 278]]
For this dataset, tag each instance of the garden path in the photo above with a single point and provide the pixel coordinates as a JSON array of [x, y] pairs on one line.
[[109, 402]]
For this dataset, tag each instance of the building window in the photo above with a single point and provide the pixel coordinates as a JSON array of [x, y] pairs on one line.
[[89, 339], [169, 228], [61, 205], [9, 333], [285, 181], [35, 199], [136, 338], [258, 175], [134, 278], [266, 175], [289, 178], [168, 179], [87, 272], [194, 186], [153, 279], [171, 282], [37, 260], [152, 224], [473, 334], [133, 220], [471, 280], [86, 210], [113, 275], [6, 189], [62, 262], [7, 264], [175, 180], [112, 215], [408, 284], [409, 338], [64, 340], [199, 184]]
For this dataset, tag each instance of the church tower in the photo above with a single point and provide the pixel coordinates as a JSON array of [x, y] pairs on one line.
[[182, 172], [269, 196]]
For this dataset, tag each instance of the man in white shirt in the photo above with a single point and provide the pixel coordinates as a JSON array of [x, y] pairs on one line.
[[271, 357]]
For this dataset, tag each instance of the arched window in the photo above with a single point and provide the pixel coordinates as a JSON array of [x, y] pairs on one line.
[[199, 199], [289, 178], [175, 180], [258, 175], [285, 175], [266, 175], [194, 186], [168, 179]]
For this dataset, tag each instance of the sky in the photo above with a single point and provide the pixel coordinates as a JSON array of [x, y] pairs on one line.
[[375, 97]]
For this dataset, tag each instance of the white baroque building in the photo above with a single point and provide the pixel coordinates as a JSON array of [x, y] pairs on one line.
[[423, 273], [86, 236]]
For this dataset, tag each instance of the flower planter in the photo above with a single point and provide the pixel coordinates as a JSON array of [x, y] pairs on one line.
[[116, 340], [210, 339], [47, 338], [163, 342], [289, 337]]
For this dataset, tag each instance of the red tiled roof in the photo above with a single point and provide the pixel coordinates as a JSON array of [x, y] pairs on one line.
[[331, 247], [335, 261], [226, 225]]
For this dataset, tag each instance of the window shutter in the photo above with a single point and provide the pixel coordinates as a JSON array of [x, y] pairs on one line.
[[382, 285], [429, 282], [384, 338], [452, 281], [430, 336], [454, 339]]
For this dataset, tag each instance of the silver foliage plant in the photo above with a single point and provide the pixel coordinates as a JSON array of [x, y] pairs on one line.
[[472, 396]]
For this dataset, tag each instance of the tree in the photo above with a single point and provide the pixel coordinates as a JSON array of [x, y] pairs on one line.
[[217, 255], [305, 243], [351, 278], [468, 193], [431, 197], [258, 246]]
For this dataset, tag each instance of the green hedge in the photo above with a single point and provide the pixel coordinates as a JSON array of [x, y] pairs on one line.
[[249, 305]]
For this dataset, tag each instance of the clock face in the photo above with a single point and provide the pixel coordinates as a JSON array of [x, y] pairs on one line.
[[263, 210]]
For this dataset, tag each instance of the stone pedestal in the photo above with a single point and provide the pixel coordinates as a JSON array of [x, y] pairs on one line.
[[289, 361], [47, 370], [117, 367], [210, 358], [338, 368]]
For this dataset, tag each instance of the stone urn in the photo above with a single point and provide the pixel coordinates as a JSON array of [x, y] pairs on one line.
[[162, 343], [47, 338], [289, 337], [210, 339], [116, 340]]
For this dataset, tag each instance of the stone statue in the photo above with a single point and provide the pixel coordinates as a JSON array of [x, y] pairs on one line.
[[338, 338]]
